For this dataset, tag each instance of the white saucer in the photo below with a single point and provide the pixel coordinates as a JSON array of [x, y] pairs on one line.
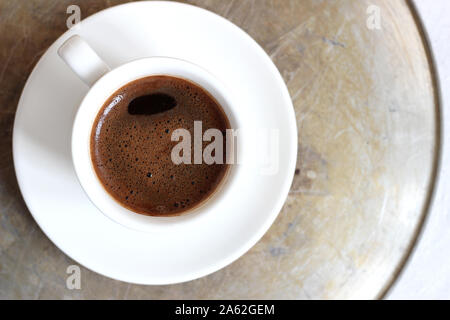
[[42, 132]]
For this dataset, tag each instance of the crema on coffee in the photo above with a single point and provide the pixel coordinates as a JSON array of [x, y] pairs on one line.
[[131, 145]]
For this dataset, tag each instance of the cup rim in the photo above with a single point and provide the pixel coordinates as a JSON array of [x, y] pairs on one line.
[[115, 211]]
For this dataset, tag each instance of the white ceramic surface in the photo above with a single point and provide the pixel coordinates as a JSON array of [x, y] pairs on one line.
[[91, 69], [42, 156]]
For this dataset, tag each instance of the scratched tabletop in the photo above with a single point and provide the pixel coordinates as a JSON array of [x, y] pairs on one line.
[[364, 94]]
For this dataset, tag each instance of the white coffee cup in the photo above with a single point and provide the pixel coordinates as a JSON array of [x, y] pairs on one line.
[[103, 83]]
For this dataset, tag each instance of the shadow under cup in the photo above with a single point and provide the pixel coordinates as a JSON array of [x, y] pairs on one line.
[[93, 103]]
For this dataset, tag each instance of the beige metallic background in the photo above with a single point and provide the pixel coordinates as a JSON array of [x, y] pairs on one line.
[[368, 131]]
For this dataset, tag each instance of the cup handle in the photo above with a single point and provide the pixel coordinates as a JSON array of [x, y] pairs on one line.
[[83, 60]]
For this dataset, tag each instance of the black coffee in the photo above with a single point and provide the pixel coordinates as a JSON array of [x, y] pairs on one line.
[[131, 145]]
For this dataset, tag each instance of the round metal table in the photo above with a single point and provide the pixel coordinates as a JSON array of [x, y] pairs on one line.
[[368, 120]]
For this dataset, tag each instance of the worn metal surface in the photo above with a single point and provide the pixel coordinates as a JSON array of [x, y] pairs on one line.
[[366, 114]]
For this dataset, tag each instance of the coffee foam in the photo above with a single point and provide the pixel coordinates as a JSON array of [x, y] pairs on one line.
[[131, 152]]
